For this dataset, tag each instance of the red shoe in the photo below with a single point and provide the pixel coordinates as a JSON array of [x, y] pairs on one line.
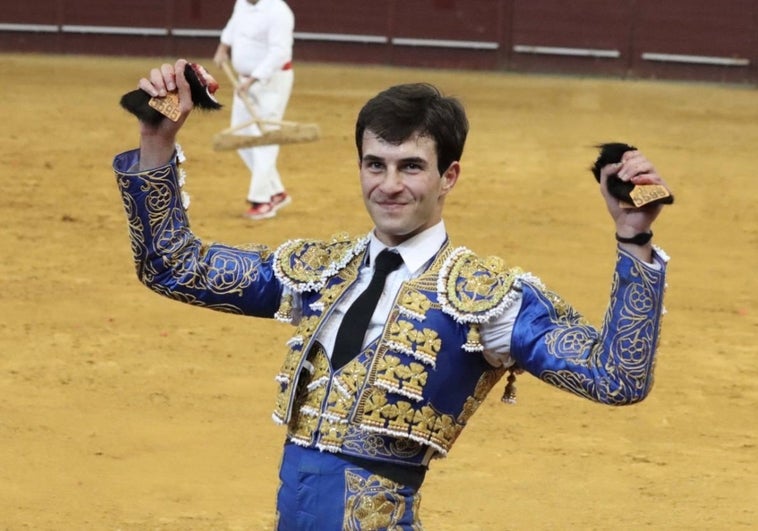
[[280, 200], [260, 211]]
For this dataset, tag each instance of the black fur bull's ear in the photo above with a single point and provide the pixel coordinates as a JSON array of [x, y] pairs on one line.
[[611, 153], [202, 87]]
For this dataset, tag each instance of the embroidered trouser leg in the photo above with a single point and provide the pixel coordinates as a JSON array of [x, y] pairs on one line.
[[319, 491]]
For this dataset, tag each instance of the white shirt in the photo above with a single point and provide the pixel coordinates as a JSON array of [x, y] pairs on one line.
[[416, 252], [261, 37]]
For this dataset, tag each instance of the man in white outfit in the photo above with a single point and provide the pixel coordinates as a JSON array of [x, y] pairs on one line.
[[258, 40]]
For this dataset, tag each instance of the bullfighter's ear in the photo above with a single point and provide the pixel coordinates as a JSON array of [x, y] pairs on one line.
[[202, 87], [610, 153], [627, 193]]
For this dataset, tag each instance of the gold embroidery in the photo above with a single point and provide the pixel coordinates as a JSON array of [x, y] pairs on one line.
[[313, 399], [486, 382], [333, 432], [375, 404], [399, 333], [416, 505], [192, 265], [414, 378], [376, 399], [263, 250], [400, 416], [473, 339], [360, 441], [285, 309], [352, 376], [386, 368], [414, 303], [423, 423], [402, 419], [302, 427], [371, 444], [622, 363], [339, 403], [474, 285], [320, 362], [424, 344], [428, 344], [303, 260], [280, 407], [309, 262], [408, 380], [330, 294], [445, 431], [307, 326], [311, 391], [372, 503]]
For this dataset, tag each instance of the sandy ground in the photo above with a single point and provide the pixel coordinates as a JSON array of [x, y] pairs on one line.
[[123, 410]]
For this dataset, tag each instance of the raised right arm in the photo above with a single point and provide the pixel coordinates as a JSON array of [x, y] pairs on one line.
[[169, 258], [172, 261]]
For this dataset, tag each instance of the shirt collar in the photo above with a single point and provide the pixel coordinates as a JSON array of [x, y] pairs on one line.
[[416, 251]]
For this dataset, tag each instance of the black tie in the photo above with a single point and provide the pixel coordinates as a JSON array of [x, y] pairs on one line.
[[355, 322]]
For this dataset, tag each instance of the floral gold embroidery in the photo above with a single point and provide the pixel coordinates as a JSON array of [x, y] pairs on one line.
[[307, 326], [306, 265], [372, 503], [284, 313], [612, 372], [428, 345], [373, 407], [414, 304], [474, 289]]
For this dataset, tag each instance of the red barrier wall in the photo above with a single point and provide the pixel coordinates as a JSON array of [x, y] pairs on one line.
[[676, 39]]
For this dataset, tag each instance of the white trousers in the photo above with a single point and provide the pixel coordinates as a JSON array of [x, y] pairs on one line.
[[269, 101]]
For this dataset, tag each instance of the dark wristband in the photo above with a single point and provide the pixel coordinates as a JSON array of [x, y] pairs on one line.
[[638, 239]]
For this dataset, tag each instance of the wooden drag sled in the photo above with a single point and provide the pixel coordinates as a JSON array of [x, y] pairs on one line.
[[271, 131]]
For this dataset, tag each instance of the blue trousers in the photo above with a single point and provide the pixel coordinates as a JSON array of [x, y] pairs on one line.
[[320, 491]]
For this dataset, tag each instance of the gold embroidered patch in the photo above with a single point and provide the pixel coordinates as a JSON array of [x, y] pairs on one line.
[[307, 326], [428, 343], [486, 382], [408, 380], [474, 284], [400, 334], [371, 503], [414, 303], [284, 313], [307, 262]]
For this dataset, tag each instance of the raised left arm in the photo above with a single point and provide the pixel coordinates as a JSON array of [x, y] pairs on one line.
[[613, 365]]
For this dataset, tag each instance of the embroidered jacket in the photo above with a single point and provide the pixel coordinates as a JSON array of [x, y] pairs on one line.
[[407, 396]]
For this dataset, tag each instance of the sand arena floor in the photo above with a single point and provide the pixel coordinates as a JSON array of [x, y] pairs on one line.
[[123, 410]]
